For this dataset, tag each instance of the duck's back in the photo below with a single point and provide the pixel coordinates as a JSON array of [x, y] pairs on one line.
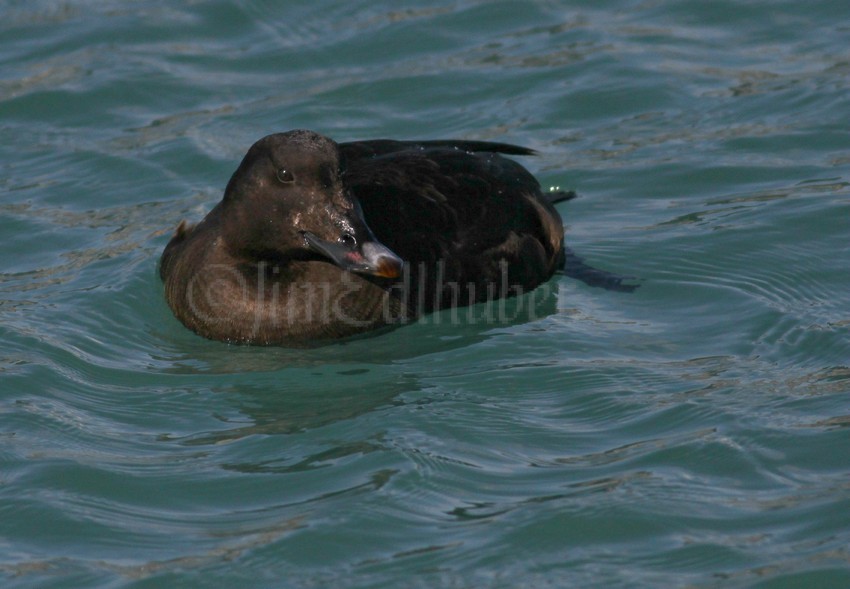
[[472, 224]]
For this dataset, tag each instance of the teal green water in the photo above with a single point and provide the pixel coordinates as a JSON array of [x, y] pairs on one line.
[[691, 434]]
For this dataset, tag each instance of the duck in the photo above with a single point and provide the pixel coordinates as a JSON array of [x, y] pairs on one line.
[[316, 241]]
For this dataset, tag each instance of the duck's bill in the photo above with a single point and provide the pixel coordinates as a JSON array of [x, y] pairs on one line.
[[370, 257]]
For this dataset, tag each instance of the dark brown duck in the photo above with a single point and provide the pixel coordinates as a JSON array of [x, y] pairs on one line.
[[315, 241]]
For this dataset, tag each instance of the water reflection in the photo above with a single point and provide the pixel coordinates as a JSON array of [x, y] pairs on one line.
[[287, 391], [300, 400]]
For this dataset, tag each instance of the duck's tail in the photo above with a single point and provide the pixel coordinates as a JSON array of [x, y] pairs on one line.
[[556, 195], [575, 267]]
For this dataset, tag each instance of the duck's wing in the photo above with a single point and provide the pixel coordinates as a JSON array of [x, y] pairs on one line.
[[377, 147], [436, 191], [469, 212]]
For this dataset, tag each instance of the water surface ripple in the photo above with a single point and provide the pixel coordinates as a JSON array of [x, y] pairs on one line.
[[691, 434]]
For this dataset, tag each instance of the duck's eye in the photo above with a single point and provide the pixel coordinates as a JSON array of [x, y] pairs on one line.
[[285, 176], [348, 240]]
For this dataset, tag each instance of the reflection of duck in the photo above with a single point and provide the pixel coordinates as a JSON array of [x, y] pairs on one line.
[[315, 240], [305, 399]]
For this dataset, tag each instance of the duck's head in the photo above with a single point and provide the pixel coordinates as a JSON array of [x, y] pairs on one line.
[[287, 201]]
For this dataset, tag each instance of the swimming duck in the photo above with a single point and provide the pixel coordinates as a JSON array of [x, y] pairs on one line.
[[315, 240]]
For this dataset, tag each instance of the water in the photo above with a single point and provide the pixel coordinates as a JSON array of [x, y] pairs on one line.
[[691, 434]]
